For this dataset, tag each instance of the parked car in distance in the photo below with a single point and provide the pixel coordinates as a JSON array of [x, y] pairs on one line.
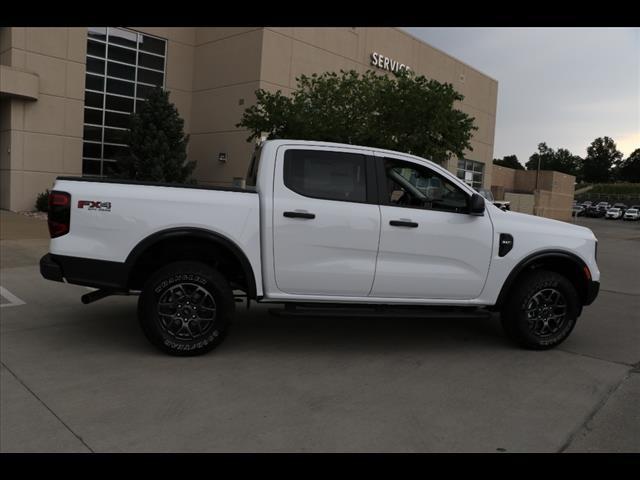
[[613, 213], [621, 206], [596, 212], [578, 211], [587, 203], [631, 214]]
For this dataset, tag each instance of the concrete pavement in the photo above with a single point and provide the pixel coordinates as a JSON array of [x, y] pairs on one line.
[[83, 378]]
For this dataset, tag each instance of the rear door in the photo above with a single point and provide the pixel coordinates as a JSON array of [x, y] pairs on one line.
[[326, 221]]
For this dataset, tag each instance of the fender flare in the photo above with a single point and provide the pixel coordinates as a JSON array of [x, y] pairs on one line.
[[202, 234], [530, 259]]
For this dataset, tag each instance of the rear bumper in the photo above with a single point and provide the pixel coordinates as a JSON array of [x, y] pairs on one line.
[[592, 292], [50, 270], [84, 271]]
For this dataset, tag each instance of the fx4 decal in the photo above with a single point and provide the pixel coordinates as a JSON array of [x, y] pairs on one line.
[[95, 205]]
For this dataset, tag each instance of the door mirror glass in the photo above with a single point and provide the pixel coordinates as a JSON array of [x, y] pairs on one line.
[[477, 205]]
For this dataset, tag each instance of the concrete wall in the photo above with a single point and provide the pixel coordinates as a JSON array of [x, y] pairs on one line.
[[521, 202], [41, 138], [552, 192]]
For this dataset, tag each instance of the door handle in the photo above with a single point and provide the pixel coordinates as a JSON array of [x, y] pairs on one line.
[[299, 215], [403, 223]]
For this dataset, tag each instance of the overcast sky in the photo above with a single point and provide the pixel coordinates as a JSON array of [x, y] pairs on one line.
[[562, 86]]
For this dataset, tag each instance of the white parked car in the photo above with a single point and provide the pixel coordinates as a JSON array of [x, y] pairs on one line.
[[323, 228], [613, 213], [631, 214]]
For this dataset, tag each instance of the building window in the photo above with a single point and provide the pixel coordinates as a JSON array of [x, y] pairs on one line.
[[470, 172], [122, 67]]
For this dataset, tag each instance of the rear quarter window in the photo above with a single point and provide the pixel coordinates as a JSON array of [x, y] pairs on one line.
[[326, 175]]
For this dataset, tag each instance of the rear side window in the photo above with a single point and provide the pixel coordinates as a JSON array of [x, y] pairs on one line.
[[326, 175]]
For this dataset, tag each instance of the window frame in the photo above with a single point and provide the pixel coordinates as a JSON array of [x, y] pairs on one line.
[[370, 183], [100, 37], [384, 194]]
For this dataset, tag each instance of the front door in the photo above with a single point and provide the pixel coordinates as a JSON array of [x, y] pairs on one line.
[[326, 222], [430, 246]]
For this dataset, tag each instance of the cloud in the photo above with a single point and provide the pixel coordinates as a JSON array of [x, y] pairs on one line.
[[563, 86]]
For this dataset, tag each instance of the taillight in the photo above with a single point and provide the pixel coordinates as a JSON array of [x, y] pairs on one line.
[[59, 214]]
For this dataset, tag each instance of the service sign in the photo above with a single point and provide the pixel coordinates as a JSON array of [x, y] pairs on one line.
[[386, 63]]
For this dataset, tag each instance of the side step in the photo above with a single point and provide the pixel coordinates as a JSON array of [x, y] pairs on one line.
[[385, 311]]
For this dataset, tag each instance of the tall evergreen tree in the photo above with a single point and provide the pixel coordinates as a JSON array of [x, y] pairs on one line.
[[157, 143]]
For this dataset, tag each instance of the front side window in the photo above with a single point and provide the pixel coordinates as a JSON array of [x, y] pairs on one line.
[[416, 186], [122, 68], [326, 175]]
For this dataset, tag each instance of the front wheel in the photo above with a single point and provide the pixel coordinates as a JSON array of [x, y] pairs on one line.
[[541, 311], [186, 308]]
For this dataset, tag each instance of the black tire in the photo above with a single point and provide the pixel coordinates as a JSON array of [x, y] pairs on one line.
[[532, 315], [190, 290]]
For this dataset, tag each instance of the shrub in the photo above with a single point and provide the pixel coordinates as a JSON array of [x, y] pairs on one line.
[[42, 202]]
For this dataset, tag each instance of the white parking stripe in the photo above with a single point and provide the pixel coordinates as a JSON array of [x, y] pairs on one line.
[[13, 300]]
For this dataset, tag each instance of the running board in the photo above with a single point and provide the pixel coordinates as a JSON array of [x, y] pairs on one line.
[[379, 311], [100, 294]]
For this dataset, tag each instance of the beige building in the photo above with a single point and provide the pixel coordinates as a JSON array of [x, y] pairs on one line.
[[545, 194], [66, 93]]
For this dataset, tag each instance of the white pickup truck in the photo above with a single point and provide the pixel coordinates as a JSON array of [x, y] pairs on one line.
[[325, 229]]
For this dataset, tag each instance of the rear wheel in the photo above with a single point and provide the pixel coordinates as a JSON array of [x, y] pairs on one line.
[[541, 310], [186, 308]]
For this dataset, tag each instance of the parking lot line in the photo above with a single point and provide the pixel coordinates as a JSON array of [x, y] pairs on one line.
[[13, 300]]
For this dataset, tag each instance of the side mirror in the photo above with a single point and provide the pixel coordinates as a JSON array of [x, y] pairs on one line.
[[477, 205]]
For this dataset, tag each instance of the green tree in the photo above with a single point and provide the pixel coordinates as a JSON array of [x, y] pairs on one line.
[[404, 112], [509, 161], [157, 143], [561, 160], [628, 170], [602, 154]]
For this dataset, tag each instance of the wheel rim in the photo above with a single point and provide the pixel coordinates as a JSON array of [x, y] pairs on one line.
[[186, 311], [546, 312]]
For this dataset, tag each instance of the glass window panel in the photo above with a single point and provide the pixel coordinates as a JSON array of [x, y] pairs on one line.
[[153, 45], [90, 167], [121, 71], [119, 103], [93, 82], [95, 66], [93, 116], [461, 174], [112, 135], [121, 87], [109, 167], [149, 76], [121, 54], [116, 119], [144, 91], [123, 37], [150, 61], [139, 105], [115, 152], [478, 167], [92, 99], [92, 133], [91, 150], [96, 48], [99, 33], [461, 164], [477, 177]]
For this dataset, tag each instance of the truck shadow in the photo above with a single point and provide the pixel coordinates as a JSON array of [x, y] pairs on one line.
[[115, 327]]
